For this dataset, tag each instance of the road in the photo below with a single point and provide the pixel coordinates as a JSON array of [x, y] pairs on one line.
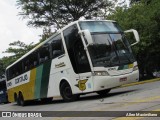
[[141, 97]]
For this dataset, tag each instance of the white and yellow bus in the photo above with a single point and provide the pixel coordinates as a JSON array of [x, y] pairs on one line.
[[83, 57]]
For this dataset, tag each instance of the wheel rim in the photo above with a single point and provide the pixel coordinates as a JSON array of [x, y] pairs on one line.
[[67, 92]]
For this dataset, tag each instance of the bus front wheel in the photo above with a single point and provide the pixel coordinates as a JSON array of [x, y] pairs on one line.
[[66, 93]]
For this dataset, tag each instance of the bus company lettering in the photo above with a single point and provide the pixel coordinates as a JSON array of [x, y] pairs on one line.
[[9, 84], [21, 79]]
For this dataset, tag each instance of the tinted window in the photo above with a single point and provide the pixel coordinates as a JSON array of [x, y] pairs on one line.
[[76, 50], [57, 48], [30, 61], [100, 26], [44, 53], [15, 70]]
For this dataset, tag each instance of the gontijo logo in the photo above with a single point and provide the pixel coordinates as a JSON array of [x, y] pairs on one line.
[[19, 80]]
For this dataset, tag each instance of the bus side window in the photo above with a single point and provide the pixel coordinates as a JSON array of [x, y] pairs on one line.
[[57, 46], [16, 70], [33, 59], [9, 71], [7, 74], [75, 48], [26, 64], [44, 53]]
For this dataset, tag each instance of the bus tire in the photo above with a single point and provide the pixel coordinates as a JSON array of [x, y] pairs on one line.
[[15, 97], [21, 101], [103, 92], [66, 93]]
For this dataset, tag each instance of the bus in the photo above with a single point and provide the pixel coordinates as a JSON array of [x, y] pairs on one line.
[[83, 57], [3, 90]]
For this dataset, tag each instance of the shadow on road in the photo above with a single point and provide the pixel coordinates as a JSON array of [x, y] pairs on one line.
[[96, 96], [82, 98]]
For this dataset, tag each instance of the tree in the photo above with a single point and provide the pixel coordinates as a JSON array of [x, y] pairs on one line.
[[57, 13], [2, 69], [16, 49], [134, 1], [145, 19], [46, 34]]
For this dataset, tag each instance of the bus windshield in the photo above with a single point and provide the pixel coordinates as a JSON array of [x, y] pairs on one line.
[[110, 47]]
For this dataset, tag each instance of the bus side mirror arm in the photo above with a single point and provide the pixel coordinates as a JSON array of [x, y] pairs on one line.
[[136, 35]]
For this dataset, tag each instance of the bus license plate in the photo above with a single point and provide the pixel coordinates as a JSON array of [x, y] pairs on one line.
[[123, 79]]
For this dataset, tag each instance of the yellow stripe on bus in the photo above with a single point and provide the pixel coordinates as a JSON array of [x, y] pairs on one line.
[[27, 89]]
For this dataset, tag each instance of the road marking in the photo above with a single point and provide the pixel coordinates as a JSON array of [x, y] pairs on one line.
[[137, 101], [157, 110], [127, 118], [134, 102], [141, 82], [149, 99], [61, 118]]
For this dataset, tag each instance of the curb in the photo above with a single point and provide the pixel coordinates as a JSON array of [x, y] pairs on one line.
[[141, 82]]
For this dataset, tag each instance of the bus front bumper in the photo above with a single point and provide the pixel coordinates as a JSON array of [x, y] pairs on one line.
[[107, 82]]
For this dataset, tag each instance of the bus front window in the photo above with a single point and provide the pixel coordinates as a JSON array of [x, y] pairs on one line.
[[110, 47]]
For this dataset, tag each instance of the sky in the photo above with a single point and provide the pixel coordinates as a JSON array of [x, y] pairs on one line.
[[13, 28]]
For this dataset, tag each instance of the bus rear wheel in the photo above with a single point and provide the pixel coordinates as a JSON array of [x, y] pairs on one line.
[[15, 97], [20, 100], [66, 93], [103, 92]]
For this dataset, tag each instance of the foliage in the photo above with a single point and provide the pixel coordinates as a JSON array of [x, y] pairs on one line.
[[46, 34], [2, 69], [16, 49], [142, 15], [47, 13], [140, 1], [58, 13], [145, 19]]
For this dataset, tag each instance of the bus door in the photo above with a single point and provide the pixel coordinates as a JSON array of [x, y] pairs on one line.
[[79, 60], [83, 67]]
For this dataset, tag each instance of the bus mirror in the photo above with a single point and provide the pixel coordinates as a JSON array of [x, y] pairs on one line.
[[87, 36], [136, 35]]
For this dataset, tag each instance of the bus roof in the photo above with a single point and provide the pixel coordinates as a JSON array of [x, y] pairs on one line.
[[38, 46]]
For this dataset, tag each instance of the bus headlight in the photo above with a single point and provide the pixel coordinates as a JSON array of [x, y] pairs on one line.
[[135, 68], [100, 73]]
